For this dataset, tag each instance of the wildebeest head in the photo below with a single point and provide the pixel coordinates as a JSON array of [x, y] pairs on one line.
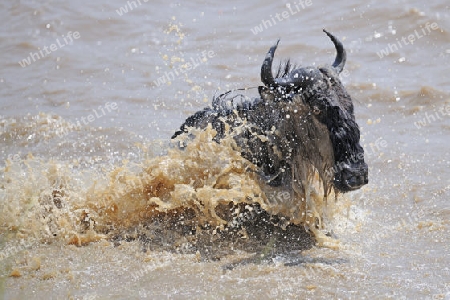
[[329, 103]]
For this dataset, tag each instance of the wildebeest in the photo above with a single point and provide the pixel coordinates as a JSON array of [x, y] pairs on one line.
[[303, 122]]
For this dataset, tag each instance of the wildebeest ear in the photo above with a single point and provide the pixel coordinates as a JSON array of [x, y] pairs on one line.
[[266, 93]]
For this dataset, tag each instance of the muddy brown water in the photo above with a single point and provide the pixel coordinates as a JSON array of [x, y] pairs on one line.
[[91, 93]]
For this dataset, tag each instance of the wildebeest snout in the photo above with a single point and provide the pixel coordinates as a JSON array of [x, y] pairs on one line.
[[351, 177]]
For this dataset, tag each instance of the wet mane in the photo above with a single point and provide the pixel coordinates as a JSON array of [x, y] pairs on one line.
[[285, 68]]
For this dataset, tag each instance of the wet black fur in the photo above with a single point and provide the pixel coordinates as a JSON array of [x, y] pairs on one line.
[[327, 103]]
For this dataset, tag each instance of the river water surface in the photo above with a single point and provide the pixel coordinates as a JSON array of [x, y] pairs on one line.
[[91, 93]]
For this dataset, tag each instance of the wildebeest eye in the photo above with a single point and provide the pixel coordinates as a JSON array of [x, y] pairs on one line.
[[316, 110]]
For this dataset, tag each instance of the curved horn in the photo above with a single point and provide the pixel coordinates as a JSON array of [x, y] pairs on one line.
[[341, 55], [266, 68]]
